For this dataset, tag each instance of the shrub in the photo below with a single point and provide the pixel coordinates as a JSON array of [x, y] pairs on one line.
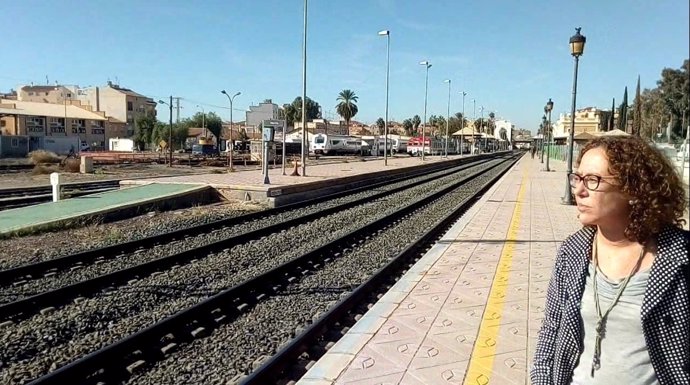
[[42, 170], [43, 157], [71, 165]]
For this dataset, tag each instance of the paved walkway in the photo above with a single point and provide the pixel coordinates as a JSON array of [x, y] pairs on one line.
[[468, 312], [254, 180], [29, 217]]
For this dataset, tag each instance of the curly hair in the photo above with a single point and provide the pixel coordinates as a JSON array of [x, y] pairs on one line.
[[648, 177]]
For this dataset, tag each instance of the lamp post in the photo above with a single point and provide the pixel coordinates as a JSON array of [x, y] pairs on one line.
[[577, 46], [305, 150], [548, 108], [474, 122], [171, 128], [481, 124], [232, 142], [387, 34], [426, 88], [462, 123], [447, 119], [203, 120], [543, 137]]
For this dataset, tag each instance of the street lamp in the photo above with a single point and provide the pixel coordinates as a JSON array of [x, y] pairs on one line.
[[305, 150], [462, 123], [577, 47], [474, 122], [548, 108], [171, 129], [232, 142], [426, 88], [543, 136], [203, 120], [447, 118], [387, 34], [481, 124]]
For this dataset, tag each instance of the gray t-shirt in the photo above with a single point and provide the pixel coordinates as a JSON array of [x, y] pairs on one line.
[[624, 355]]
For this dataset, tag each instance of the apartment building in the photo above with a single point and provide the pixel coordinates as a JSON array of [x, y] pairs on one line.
[[122, 104], [266, 110], [71, 118]]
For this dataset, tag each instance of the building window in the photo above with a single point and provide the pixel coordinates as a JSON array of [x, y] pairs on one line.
[[15, 142], [130, 106], [2, 123], [35, 124], [57, 125]]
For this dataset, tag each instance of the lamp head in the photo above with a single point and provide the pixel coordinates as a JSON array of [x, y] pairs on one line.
[[549, 105], [223, 92], [385, 32], [161, 102], [447, 81], [577, 43], [425, 63]]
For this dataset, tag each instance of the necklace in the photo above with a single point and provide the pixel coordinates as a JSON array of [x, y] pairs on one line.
[[601, 318]]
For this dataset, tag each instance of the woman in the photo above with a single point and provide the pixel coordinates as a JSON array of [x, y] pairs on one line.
[[618, 304]]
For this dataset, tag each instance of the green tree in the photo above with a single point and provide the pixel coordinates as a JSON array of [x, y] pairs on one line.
[[637, 110], [381, 124], [674, 85], [408, 127], [144, 126], [416, 121], [180, 134], [213, 124], [623, 112], [347, 107], [293, 111]]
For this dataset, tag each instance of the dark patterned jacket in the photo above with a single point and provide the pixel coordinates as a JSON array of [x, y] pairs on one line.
[[665, 311]]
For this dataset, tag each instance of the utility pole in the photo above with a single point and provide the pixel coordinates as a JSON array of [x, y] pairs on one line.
[[177, 104]]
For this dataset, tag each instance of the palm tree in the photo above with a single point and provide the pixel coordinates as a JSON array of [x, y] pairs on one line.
[[347, 107]]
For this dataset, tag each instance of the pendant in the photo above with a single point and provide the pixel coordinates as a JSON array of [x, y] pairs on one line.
[[595, 365]]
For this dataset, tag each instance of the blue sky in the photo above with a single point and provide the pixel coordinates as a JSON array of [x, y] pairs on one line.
[[510, 56]]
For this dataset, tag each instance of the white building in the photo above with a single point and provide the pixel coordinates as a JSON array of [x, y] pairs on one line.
[[266, 110]]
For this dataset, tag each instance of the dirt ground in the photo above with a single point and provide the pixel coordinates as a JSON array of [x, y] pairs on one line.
[[28, 178]]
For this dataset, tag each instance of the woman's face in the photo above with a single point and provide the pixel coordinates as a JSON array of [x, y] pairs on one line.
[[606, 204]]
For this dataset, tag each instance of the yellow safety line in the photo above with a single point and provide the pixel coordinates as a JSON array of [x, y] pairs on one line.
[[482, 358]]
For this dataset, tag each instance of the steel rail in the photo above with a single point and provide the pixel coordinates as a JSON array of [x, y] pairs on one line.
[[34, 270], [101, 365], [273, 368], [27, 306]]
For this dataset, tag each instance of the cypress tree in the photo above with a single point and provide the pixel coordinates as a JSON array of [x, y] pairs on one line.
[[637, 114]]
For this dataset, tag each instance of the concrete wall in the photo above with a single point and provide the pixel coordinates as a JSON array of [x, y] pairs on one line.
[[14, 146]]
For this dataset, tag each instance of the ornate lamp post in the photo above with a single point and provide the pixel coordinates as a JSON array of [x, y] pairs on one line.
[[543, 137], [462, 123], [387, 34], [447, 120], [232, 142], [577, 47], [548, 108], [426, 88]]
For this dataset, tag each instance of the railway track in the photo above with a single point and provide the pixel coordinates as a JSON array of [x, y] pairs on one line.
[[26, 196], [215, 309], [26, 295]]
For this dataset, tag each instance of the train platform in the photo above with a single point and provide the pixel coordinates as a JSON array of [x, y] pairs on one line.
[[47, 215], [468, 312], [323, 177]]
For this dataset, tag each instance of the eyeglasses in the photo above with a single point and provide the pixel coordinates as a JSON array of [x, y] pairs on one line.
[[590, 181]]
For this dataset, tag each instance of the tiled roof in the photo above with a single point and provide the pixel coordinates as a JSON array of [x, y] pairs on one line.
[[48, 109]]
